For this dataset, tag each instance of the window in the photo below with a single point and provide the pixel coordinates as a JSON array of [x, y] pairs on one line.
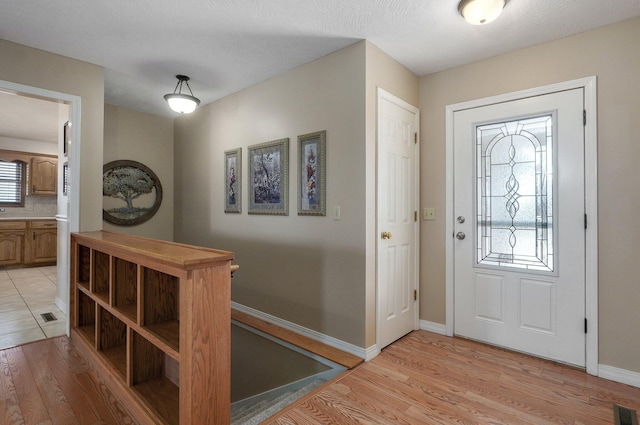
[[12, 183], [514, 175]]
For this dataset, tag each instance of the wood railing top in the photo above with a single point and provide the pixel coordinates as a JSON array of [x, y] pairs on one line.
[[170, 253]]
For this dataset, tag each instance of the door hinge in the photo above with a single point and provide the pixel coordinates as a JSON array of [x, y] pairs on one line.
[[585, 325], [584, 117], [415, 138], [415, 216], [415, 295], [585, 221]]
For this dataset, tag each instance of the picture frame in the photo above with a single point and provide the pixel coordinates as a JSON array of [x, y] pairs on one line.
[[126, 181], [312, 192], [233, 181], [269, 178]]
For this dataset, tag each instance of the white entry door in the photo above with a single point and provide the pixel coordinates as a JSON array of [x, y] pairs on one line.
[[397, 225], [519, 225]]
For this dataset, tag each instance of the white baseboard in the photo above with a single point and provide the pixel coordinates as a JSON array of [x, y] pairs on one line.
[[62, 305], [309, 333], [619, 375], [436, 328]]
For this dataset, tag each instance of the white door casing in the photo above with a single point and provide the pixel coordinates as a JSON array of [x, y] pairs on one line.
[[529, 311], [397, 224]]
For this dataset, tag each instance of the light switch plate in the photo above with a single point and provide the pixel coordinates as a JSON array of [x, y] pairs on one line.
[[336, 212], [429, 214]]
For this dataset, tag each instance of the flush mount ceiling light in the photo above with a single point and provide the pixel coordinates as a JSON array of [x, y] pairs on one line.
[[480, 12], [179, 102]]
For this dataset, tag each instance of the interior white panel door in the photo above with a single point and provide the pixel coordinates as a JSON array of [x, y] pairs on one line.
[[397, 248]]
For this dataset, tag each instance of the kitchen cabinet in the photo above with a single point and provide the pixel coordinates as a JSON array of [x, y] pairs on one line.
[[43, 240], [28, 242], [12, 235], [44, 175]]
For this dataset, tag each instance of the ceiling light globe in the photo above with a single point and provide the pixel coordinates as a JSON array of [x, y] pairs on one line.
[[480, 12], [182, 103]]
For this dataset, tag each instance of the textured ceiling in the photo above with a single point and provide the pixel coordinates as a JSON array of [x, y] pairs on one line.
[[228, 45]]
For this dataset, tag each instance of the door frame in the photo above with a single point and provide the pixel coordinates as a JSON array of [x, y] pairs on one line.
[[68, 221], [415, 190], [588, 84]]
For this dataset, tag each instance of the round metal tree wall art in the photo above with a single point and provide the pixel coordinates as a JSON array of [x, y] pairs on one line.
[[132, 193]]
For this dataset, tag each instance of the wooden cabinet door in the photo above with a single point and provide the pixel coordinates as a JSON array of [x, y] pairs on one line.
[[44, 242], [44, 175], [11, 248]]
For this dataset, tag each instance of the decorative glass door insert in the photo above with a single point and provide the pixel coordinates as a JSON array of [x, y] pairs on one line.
[[514, 184]]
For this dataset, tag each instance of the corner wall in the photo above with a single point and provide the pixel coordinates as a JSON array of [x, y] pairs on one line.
[[611, 54], [306, 270], [148, 139]]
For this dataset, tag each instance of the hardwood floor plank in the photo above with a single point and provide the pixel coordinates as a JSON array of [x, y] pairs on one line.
[[31, 404], [46, 382], [446, 381], [422, 379]]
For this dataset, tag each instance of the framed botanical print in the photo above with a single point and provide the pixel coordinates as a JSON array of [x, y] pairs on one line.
[[312, 174], [233, 181], [269, 178]]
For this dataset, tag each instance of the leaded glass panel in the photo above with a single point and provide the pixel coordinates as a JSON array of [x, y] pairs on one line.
[[514, 183]]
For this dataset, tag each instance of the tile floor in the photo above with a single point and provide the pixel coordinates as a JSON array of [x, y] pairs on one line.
[[24, 295]]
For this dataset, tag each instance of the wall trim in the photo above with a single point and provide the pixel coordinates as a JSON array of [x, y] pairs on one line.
[[436, 328], [310, 333], [619, 375]]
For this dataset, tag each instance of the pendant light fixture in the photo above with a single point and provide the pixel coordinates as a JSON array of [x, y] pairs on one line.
[[480, 12], [179, 102]]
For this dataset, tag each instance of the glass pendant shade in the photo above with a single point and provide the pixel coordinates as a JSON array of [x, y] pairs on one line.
[[179, 102], [480, 12], [182, 103]]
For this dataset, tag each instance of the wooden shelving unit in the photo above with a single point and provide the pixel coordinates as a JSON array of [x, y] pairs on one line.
[[155, 316]]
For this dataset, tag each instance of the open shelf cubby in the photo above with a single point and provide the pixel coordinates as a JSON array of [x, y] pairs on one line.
[[86, 318], [155, 377], [112, 341], [101, 275], [84, 266], [125, 288], [148, 311], [161, 306]]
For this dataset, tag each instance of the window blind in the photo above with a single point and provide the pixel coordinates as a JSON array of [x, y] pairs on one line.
[[11, 182]]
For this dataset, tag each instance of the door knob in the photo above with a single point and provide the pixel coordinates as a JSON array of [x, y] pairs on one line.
[[460, 235], [386, 235]]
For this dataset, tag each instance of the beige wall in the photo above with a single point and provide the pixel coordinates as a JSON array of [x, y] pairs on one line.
[[313, 271], [308, 270], [610, 53], [37, 68], [148, 139]]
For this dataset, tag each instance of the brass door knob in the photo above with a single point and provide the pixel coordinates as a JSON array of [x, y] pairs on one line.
[[386, 235]]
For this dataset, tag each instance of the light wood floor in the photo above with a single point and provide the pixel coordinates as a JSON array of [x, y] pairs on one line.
[[430, 379], [47, 382], [422, 379]]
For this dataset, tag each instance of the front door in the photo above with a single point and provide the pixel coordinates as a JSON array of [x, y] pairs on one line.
[[519, 273], [397, 223]]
